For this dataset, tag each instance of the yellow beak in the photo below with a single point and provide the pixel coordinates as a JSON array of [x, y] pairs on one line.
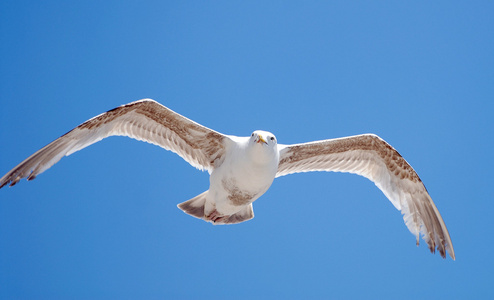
[[261, 140]]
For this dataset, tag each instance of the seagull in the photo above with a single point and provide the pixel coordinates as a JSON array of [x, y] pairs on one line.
[[243, 168]]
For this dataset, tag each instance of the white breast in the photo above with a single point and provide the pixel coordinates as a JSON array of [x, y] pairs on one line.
[[246, 174]]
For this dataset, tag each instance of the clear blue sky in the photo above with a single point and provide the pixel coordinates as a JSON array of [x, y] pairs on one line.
[[103, 222]]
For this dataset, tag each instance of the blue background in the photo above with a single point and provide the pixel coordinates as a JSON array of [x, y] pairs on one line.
[[103, 222]]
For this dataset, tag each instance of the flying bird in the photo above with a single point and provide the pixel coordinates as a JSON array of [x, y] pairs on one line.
[[243, 168]]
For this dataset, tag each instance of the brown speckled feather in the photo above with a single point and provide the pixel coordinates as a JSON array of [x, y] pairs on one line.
[[370, 156], [145, 120]]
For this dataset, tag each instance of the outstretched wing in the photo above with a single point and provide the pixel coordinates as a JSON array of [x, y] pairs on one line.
[[144, 120], [370, 156]]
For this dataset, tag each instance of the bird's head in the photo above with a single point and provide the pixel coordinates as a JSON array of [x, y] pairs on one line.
[[263, 146], [263, 138]]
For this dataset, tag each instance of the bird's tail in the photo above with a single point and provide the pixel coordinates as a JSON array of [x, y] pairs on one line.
[[195, 206]]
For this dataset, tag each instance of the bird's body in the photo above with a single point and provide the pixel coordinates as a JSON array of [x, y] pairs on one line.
[[243, 168], [246, 174]]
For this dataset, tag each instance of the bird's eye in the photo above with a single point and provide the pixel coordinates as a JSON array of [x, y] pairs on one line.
[[252, 134], [272, 138]]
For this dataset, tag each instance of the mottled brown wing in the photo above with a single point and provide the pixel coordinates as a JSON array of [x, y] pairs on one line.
[[144, 120], [370, 156]]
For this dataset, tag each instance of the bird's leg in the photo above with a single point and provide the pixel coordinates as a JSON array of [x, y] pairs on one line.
[[215, 216]]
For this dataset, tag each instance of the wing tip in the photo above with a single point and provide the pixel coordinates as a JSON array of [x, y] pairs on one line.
[[12, 178], [451, 251], [442, 247], [10, 182]]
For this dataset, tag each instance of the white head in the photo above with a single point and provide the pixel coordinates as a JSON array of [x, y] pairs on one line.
[[263, 138], [263, 145]]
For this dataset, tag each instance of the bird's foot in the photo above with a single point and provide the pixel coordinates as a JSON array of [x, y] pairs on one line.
[[215, 217]]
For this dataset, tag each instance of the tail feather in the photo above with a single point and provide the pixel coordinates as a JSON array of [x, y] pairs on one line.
[[195, 206], [244, 215]]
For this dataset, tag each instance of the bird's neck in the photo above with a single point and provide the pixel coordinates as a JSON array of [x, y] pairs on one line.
[[263, 156]]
